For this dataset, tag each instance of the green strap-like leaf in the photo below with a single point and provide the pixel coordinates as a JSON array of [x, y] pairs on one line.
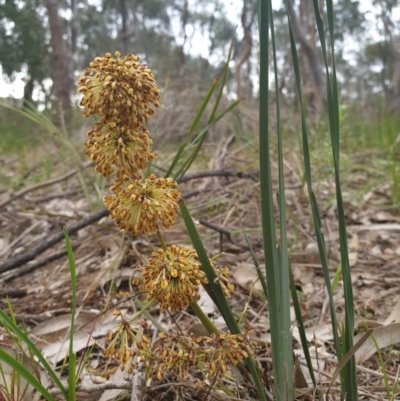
[[24, 372], [23, 337]]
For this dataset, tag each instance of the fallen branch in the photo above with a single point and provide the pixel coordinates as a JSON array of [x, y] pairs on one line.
[[89, 389], [220, 173], [19, 260], [34, 266], [41, 185], [222, 232]]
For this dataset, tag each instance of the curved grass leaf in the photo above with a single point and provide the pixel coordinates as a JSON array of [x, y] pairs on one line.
[[32, 348], [24, 372], [211, 120]]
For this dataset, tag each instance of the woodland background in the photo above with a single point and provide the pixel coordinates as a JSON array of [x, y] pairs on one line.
[[52, 41]]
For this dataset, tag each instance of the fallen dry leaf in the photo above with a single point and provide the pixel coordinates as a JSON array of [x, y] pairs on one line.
[[384, 336], [60, 324], [117, 376], [245, 275], [394, 316], [57, 351]]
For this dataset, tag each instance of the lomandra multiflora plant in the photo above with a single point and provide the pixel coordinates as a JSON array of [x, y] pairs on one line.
[[123, 92]]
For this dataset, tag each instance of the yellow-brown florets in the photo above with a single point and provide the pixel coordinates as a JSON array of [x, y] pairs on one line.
[[139, 204], [127, 149], [225, 349], [177, 353], [222, 278], [125, 341], [173, 277], [115, 87]]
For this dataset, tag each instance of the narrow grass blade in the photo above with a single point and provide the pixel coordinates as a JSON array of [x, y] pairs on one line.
[[349, 377], [71, 355], [175, 161], [23, 337], [202, 109], [24, 372], [313, 202], [211, 120], [214, 290], [302, 330], [285, 333], [223, 81], [71, 376], [200, 140], [193, 126], [267, 212], [256, 264], [350, 355]]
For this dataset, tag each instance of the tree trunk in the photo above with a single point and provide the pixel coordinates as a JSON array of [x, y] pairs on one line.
[[317, 96], [28, 91], [181, 54], [62, 80], [245, 53], [74, 27], [124, 37], [392, 54]]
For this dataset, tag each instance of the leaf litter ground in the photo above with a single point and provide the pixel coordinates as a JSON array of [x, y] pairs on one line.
[[224, 201]]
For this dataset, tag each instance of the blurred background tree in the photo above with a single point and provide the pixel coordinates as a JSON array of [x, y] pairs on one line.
[[187, 41]]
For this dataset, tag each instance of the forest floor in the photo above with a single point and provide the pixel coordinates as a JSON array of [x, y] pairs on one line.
[[222, 194]]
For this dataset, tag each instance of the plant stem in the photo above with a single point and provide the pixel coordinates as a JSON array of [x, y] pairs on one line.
[[203, 318], [144, 308], [161, 239]]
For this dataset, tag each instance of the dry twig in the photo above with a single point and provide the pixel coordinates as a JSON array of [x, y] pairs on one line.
[[19, 260]]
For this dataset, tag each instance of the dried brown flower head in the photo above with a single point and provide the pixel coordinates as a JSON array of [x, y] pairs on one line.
[[116, 87], [139, 204], [173, 276]]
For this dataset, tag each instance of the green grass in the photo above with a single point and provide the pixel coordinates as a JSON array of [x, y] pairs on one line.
[[16, 133]]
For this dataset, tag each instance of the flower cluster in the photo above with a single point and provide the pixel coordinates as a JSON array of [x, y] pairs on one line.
[[177, 354], [126, 148], [119, 88], [222, 278], [123, 92], [138, 205], [173, 276], [125, 341]]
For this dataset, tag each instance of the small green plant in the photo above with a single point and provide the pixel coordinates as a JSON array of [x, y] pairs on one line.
[[20, 368]]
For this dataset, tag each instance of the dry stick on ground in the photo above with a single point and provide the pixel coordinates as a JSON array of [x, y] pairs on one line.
[[34, 266], [220, 173], [19, 260], [41, 185], [64, 194], [222, 232]]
